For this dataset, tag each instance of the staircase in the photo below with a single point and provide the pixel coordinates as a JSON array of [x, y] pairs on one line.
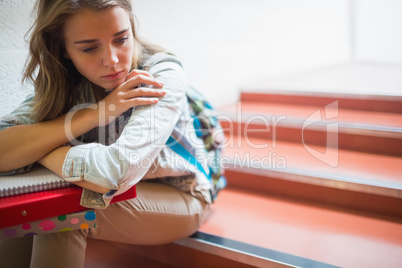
[[314, 180], [314, 175], [341, 150]]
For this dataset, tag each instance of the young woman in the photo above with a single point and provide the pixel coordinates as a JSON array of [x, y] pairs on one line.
[[105, 104]]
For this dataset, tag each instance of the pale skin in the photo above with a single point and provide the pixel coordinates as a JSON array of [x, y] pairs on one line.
[[100, 45]]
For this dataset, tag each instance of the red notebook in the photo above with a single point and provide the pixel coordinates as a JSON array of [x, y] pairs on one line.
[[30, 207]]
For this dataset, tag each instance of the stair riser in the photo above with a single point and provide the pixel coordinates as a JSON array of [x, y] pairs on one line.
[[317, 136], [391, 104], [346, 199]]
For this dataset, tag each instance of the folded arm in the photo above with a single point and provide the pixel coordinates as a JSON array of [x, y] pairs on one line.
[[122, 164], [25, 144]]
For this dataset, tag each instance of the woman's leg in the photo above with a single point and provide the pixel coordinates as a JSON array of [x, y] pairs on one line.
[[159, 214], [61, 250], [15, 252]]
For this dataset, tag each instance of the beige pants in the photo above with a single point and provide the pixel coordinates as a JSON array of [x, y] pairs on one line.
[[160, 214]]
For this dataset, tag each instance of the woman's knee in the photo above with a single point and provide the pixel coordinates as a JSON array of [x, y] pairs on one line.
[[160, 214]]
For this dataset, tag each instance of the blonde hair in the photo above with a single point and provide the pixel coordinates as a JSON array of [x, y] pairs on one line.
[[55, 78]]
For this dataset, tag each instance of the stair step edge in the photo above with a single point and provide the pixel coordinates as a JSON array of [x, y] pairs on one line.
[[355, 128], [383, 103], [370, 186], [246, 253]]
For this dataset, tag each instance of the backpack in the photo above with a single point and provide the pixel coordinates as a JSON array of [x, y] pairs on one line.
[[208, 128]]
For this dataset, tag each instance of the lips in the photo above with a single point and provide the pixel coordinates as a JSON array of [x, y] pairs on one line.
[[113, 76]]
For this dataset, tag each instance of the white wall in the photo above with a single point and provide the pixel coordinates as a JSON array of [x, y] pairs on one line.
[[15, 20], [378, 31], [227, 43]]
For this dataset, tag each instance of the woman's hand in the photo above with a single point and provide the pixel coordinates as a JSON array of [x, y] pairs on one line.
[[140, 88], [129, 94]]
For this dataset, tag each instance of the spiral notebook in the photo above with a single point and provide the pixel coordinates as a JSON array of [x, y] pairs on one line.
[[38, 179]]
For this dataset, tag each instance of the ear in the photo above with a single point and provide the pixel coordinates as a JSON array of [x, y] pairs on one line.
[[66, 56]]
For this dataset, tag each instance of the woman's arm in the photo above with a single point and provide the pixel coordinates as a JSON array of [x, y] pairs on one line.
[[22, 145], [122, 164], [25, 144], [54, 161]]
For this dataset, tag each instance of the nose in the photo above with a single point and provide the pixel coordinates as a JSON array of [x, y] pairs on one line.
[[110, 57]]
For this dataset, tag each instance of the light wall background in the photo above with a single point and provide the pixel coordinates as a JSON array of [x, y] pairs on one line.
[[227, 43]]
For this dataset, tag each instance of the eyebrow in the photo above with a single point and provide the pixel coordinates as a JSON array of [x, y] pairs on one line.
[[87, 41]]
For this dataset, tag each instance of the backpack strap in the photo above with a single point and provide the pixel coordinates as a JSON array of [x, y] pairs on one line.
[[183, 152], [180, 150]]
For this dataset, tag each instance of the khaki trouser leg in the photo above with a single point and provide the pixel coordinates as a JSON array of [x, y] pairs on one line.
[[15, 252], [61, 250], [160, 214]]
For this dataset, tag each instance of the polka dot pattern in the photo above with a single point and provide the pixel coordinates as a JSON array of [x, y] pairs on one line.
[[30, 234], [10, 233], [62, 218], [47, 225], [63, 223], [66, 229], [90, 216], [26, 226]]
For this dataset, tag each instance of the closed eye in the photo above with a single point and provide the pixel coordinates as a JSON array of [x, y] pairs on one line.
[[121, 40], [89, 50]]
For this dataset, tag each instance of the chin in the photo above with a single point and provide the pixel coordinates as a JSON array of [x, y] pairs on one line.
[[115, 84], [110, 87]]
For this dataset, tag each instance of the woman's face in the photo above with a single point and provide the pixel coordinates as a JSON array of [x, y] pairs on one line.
[[100, 45]]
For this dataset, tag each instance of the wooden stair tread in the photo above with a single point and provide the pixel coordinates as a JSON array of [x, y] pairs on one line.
[[303, 229], [299, 113], [366, 168]]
